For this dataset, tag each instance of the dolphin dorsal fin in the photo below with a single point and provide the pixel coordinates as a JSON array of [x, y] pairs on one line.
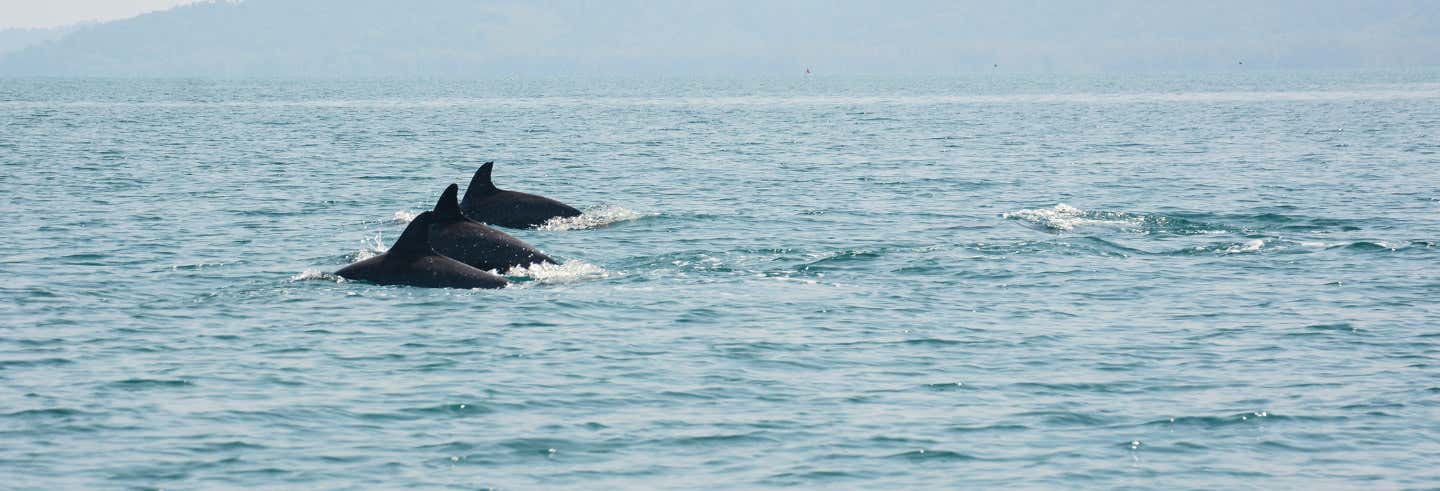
[[480, 185], [448, 208], [415, 240]]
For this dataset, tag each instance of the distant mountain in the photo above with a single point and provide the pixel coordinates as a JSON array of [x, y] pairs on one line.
[[466, 38], [12, 40]]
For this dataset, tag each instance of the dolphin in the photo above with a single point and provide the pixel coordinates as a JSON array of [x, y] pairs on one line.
[[411, 261], [484, 202], [474, 243]]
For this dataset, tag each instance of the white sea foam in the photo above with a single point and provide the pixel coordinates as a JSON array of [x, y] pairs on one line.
[[593, 217], [194, 266], [1251, 246], [1066, 217], [570, 271], [314, 275], [405, 216]]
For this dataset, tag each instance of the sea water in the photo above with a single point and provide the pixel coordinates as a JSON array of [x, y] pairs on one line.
[[1179, 281]]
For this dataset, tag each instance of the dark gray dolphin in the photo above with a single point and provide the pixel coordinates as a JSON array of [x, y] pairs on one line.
[[411, 261], [474, 243], [485, 203]]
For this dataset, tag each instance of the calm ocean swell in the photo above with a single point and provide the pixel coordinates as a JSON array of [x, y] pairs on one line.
[[1198, 282]]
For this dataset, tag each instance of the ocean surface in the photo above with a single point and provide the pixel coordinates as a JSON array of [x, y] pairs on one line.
[[1211, 281]]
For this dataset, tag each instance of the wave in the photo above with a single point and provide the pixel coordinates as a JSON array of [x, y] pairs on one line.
[[1261, 245], [145, 383], [1287, 246], [1380, 245], [940, 455], [1066, 218], [593, 217], [56, 412], [1248, 246], [1254, 233], [1248, 417], [836, 260]]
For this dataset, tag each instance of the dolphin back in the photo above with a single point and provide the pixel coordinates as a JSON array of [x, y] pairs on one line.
[[485, 203], [411, 261]]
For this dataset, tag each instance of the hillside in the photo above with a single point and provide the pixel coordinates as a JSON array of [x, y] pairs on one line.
[[12, 40]]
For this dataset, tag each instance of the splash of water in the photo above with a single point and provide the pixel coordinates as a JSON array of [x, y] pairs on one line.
[[313, 274], [570, 271], [371, 247], [405, 216], [593, 217]]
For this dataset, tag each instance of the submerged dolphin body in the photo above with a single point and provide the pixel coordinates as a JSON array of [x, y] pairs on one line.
[[484, 202], [474, 243], [411, 261]]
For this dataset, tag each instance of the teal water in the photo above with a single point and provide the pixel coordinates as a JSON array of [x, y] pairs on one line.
[[1210, 281]]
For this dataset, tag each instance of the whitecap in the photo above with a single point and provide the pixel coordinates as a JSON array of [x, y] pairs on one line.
[[593, 217]]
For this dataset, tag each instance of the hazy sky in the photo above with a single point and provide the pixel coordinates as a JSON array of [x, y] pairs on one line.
[[52, 13], [468, 38]]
